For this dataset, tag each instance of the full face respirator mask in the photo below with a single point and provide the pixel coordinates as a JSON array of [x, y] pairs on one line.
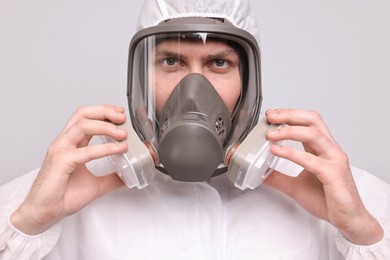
[[194, 124], [194, 97]]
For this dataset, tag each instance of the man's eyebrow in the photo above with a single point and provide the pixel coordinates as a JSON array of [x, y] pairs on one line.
[[168, 53], [221, 54]]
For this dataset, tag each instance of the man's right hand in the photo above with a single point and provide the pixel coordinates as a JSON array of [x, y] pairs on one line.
[[64, 185]]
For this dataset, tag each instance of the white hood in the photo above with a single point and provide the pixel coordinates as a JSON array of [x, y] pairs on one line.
[[238, 12]]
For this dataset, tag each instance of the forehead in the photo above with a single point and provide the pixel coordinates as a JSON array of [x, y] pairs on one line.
[[193, 44]]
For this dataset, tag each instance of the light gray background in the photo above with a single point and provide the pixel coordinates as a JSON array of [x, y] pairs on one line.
[[329, 56]]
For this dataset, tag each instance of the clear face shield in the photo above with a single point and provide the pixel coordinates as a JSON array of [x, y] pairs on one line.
[[194, 95]]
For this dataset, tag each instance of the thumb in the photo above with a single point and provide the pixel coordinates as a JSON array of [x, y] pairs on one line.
[[109, 183], [280, 182]]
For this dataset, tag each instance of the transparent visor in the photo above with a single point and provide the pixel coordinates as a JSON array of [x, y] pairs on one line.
[[159, 62]]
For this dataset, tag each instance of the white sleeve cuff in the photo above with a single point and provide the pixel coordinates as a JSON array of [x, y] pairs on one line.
[[15, 244], [377, 251]]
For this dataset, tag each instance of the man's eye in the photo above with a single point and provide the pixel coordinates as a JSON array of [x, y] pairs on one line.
[[220, 63], [169, 61]]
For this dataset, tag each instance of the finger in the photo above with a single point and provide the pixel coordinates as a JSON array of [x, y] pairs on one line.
[[110, 113], [297, 117], [67, 160], [93, 152], [327, 171], [308, 161], [313, 140], [280, 182], [109, 183], [82, 131]]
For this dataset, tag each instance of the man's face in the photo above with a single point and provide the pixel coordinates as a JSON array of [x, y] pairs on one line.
[[215, 60]]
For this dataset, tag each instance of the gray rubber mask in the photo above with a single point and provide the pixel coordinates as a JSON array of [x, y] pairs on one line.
[[194, 124]]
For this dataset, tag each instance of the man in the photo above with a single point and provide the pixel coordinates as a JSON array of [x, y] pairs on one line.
[[70, 213]]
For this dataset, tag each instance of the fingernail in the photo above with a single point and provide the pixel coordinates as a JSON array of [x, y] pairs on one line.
[[272, 112], [120, 130], [274, 131], [277, 147], [121, 144], [119, 109]]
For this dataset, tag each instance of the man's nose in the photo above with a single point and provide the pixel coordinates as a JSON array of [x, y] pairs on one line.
[[196, 67]]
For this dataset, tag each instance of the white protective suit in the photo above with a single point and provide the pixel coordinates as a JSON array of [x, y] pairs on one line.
[[177, 220]]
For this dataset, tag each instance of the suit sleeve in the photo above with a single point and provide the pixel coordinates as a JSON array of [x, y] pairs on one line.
[[14, 244]]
